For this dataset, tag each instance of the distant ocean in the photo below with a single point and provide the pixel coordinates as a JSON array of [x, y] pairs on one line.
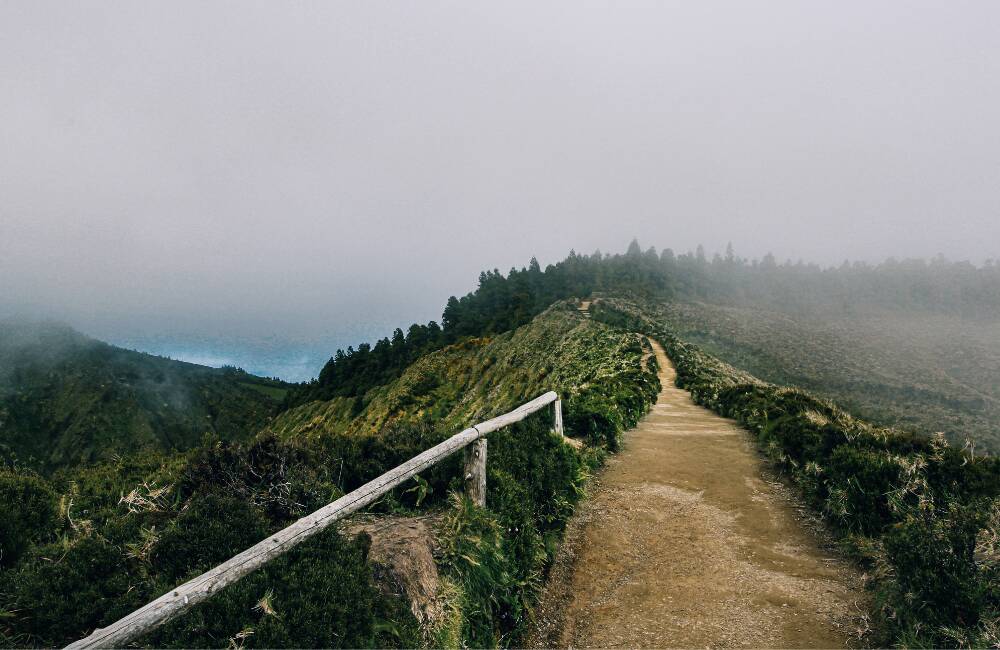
[[289, 361]]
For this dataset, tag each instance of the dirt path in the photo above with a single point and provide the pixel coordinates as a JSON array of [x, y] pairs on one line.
[[686, 542]]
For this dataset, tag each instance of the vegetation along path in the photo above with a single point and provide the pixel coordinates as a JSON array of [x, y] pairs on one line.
[[686, 542]]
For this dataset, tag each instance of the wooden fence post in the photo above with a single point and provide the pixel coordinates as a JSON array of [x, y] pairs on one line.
[[557, 412], [475, 472]]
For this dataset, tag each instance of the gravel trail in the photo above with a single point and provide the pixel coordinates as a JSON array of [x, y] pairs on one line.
[[687, 540]]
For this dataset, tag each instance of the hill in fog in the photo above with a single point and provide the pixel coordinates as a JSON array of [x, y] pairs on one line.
[[66, 398]]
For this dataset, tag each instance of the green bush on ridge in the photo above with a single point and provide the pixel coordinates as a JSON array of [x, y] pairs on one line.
[[29, 509]]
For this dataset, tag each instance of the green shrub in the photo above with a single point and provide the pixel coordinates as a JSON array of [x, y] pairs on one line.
[[213, 528], [61, 593], [284, 480], [30, 509], [588, 416], [319, 595], [862, 480], [473, 555], [937, 584], [607, 407], [547, 470]]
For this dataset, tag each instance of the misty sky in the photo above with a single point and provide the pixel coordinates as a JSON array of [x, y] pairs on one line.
[[318, 173]]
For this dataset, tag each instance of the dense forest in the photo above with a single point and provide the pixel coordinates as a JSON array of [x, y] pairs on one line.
[[910, 285]]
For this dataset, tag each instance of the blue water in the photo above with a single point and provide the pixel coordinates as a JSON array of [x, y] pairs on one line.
[[293, 362]]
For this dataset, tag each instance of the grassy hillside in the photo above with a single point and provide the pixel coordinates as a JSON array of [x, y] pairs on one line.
[[183, 513], [67, 399], [920, 371], [911, 343], [479, 378]]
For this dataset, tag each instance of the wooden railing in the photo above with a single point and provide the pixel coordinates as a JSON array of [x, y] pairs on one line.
[[182, 598]]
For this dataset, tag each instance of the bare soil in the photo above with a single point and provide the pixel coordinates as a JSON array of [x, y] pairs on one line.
[[688, 540], [402, 556]]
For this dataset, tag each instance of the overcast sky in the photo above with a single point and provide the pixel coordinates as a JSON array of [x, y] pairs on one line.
[[308, 169]]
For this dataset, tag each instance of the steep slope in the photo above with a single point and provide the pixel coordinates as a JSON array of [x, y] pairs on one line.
[[478, 378], [67, 399], [920, 371]]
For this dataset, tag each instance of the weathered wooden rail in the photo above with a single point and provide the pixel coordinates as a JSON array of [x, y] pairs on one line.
[[180, 599]]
